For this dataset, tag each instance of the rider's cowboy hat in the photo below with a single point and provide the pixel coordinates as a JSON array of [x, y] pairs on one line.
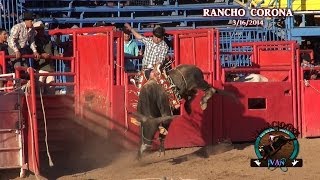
[[28, 16], [159, 32]]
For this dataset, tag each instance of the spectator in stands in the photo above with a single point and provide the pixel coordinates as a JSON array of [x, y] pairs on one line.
[[130, 50], [3, 47], [101, 24], [130, 46], [44, 47], [21, 40], [3, 41], [156, 48], [306, 62]]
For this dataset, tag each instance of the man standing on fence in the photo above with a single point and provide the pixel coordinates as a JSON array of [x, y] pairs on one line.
[[21, 40], [156, 49]]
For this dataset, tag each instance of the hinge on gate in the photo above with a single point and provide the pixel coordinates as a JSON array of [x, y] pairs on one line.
[[17, 106], [25, 166]]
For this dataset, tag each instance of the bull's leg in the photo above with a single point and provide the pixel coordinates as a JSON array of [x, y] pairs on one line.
[[162, 136], [189, 100], [209, 91], [162, 149], [143, 147], [206, 97]]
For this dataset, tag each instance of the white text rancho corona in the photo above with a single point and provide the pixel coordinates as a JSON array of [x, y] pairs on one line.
[[255, 12]]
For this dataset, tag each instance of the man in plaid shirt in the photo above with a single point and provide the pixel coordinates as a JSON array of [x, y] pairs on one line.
[[156, 48], [21, 40]]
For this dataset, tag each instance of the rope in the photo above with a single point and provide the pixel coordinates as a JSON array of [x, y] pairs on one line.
[[119, 66], [152, 140], [31, 125], [306, 83], [45, 129], [183, 77]]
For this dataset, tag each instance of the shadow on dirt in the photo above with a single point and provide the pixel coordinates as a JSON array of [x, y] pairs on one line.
[[202, 152]]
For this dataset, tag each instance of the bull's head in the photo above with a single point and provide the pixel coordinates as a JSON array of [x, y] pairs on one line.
[[150, 125]]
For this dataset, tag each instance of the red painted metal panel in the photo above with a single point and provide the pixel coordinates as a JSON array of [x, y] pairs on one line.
[[195, 47], [9, 119], [193, 130], [94, 76], [131, 102], [310, 109], [274, 57], [276, 61], [309, 95], [10, 141], [240, 122], [126, 135], [8, 102], [10, 147], [11, 137]]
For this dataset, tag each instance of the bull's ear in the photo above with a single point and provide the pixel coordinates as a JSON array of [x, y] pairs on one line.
[[164, 118], [139, 116]]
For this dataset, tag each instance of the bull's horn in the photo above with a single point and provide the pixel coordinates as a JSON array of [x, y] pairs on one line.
[[164, 118], [140, 117]]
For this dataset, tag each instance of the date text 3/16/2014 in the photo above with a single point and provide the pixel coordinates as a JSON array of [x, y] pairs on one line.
[[247, 22]]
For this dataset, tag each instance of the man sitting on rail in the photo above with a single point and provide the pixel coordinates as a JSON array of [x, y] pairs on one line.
[[44, 47], [21, 40], [306, 61], [156, 48]]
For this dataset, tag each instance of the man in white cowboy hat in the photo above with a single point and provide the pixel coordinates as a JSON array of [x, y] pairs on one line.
[[44, 47], [21, 40]]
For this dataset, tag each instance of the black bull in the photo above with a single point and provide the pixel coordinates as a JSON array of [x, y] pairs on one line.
[[153, 105]]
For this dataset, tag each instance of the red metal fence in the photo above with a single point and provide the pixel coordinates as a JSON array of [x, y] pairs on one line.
[[104, 96], [276, 99]]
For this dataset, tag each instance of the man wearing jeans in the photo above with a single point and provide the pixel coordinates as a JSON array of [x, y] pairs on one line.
[[21, 40], [44, 47]]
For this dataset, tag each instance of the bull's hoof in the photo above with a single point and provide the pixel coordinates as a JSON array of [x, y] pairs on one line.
[[139, 157], [203, 106], [161, 151]]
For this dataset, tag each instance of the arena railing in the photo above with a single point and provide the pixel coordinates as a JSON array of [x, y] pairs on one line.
[[10, 11], [228, 36], [175, 10]]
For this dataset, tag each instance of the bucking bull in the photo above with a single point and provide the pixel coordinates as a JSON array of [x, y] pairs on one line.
[[155, 107], [271, 149]]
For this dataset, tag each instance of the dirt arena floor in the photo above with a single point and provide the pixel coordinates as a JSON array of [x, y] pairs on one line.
[[226, 161]]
